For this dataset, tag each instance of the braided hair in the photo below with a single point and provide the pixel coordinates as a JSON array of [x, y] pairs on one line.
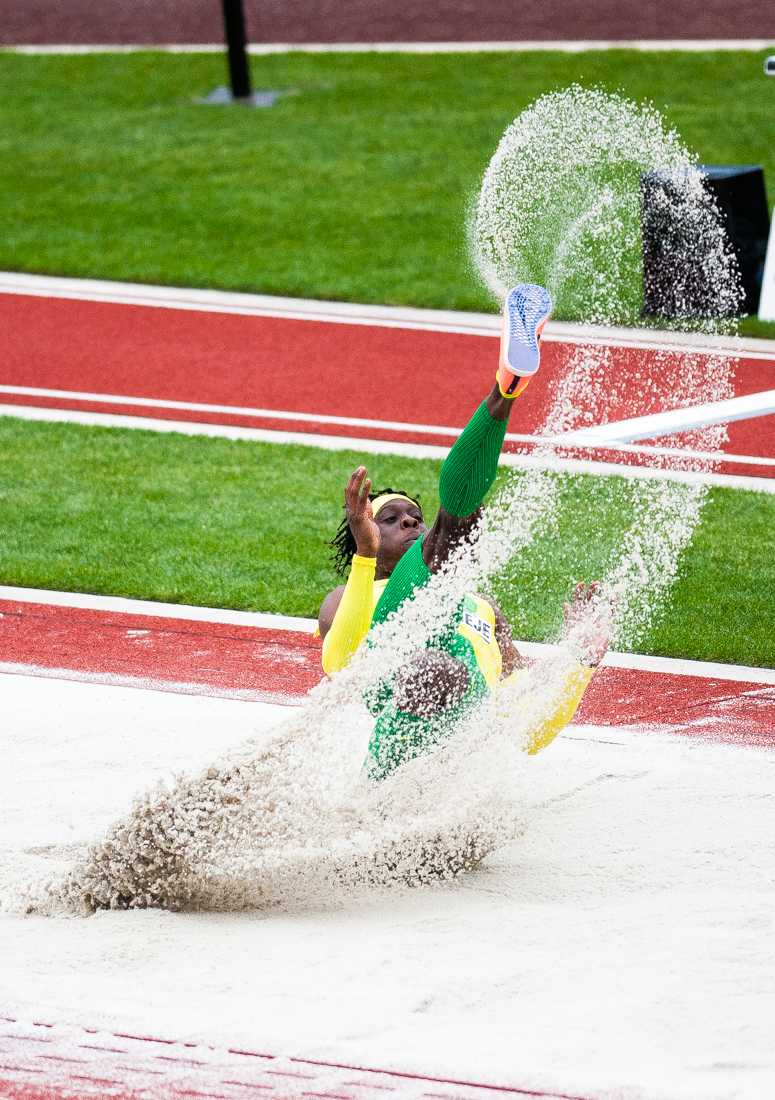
[[343, 543]]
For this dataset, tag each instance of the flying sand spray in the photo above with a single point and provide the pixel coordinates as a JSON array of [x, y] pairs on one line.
[[289, 818]]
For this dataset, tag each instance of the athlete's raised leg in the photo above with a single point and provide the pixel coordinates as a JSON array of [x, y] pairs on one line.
[[470, 467]]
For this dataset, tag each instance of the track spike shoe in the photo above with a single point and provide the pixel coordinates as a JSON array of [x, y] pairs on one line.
[[525, 312]]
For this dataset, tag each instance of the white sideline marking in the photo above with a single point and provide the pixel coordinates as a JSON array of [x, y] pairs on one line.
[[713, 458], [350, 313], [712, 670], [586, 437], [261, 49], [380, 446], [636, 661], [157, 610], [675, 420], [249, 305], [236, 410]]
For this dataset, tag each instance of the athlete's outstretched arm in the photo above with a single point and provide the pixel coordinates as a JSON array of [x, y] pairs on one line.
[[345, 616], [471, 465]]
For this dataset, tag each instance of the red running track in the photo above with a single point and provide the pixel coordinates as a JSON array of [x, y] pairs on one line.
[[307, 369], [177, 654], [281, 665], [197, 21], [45, 1061]]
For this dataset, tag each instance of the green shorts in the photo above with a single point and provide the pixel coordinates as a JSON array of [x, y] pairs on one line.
[[399, 736]]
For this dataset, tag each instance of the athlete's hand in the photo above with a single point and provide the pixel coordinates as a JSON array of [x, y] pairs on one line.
[[359, 514], [588, 619]]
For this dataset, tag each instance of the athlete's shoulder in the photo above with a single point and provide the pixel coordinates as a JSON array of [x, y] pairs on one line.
[[328, 609]]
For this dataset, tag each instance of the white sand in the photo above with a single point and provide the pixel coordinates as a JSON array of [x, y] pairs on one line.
[[624, 947]]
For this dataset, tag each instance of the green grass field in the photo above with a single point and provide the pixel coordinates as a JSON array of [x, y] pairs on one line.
[[354, 187], [196, 520]]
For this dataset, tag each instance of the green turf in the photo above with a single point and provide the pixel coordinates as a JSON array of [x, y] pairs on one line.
[[355, 186], [245, 525]]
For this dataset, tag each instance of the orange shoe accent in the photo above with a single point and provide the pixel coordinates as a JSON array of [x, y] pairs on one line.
[[521, 386]]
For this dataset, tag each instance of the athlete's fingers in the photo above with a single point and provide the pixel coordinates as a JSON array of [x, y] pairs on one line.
[[363, 499], [363, 488], [351, 482], [352, 492], [360, 476]]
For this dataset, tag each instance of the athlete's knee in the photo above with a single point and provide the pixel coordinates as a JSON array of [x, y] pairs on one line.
[[431, 682]]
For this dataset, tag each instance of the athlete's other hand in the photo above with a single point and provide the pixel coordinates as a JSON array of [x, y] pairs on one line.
[[588, 621], [359, 514]]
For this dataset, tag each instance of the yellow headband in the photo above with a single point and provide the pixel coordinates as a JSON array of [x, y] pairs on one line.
[[380, 502]]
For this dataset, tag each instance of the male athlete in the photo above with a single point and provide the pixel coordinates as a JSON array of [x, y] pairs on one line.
[[393, 554]]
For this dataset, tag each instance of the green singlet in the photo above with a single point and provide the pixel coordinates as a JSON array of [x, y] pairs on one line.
[[467, 474]]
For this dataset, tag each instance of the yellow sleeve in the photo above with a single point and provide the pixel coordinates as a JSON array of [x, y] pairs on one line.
[[566, 703], [353, 616]]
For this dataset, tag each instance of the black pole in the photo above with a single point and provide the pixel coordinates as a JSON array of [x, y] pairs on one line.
[[239, 73]]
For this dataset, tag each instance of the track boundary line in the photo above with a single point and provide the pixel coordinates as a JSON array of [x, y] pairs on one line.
[[611, 436], [354, 313], [127, 605], [685, 418], [379, 446], [267, 621], [259, 49]]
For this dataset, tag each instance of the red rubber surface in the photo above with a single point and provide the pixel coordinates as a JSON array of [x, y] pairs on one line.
[[389, 21], [386, 374], [156, 650], [258, 362], [692, 706], [43, 1061], [283, 665]]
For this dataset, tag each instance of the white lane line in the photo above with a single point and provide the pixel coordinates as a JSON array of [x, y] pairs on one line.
[[121, 605], [407, 317], [233, 410], [713, 459], [261, 49], [249, 305], [712, 670], [675, 420], [149, 608], [380, 446], [587, 437]]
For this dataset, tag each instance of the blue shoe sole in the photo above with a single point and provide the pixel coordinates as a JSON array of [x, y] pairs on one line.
[[527, 305]]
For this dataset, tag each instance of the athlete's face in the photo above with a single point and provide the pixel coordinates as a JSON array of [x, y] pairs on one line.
[[400, 523]]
